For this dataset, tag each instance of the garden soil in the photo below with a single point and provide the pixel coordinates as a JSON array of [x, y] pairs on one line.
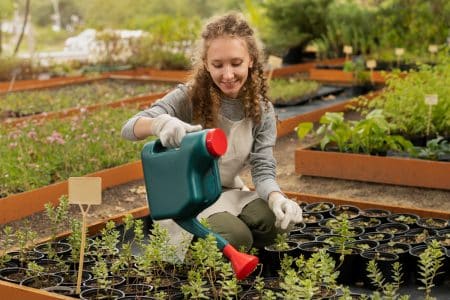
[[120, 199]]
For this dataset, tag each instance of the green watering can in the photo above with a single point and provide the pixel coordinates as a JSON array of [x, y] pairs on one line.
[[182, 182]]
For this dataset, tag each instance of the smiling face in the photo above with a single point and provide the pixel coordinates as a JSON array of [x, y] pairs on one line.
[[228, 62]]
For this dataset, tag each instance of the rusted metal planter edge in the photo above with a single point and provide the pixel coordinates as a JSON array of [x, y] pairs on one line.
[[370, 168], [338, 76], [17, 206]]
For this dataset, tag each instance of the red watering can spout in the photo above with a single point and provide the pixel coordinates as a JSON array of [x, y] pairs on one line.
[[243, 264]]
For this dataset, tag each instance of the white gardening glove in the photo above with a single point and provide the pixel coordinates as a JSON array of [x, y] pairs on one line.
[[286, 211], [171, 130]]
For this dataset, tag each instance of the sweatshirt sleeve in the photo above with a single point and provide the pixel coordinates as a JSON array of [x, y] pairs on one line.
[[262, 161], [175, 103]]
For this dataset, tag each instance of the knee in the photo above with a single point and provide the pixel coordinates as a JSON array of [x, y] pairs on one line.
[[231, 229]]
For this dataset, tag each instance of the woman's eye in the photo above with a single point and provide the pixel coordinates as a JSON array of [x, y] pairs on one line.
[[236, 64]]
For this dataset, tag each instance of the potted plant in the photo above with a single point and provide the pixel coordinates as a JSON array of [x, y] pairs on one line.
[[432, 223], [323, 208], [393, 228], [380, 214], [349, 211]]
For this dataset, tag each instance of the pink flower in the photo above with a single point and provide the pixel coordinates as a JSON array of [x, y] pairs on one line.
[[84, 135], [12, 145], [56, 137], [32, 135]]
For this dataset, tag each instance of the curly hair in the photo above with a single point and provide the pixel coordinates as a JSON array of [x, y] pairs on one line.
[[205, 95]]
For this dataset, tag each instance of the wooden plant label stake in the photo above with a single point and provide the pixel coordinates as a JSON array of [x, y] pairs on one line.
[[348, 50], [274, 62], [430, 100], [84, 191], [371, 64], [433, 49], [399, 53]]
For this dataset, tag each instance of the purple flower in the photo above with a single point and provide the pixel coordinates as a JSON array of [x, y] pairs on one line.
[[56, 137]]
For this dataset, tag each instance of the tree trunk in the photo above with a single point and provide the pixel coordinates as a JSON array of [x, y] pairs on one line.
[[1, 45], [25, 20]]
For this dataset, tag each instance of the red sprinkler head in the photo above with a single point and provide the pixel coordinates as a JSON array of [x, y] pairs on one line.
[[243, 264]]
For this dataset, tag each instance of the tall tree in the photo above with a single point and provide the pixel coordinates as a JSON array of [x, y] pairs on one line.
[[25, 20]]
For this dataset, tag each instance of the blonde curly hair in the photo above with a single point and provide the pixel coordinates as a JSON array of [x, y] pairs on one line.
[[205, 95]]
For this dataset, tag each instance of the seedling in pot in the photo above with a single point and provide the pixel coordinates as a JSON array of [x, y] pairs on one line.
[[124, 265], [6, 243], [389, 290], [430, 263], [57, 216]]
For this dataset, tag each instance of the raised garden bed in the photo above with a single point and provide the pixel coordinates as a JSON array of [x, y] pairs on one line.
[[390, 170], [75, 96]]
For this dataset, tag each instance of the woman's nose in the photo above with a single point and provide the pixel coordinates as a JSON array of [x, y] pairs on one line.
[[228, 72]]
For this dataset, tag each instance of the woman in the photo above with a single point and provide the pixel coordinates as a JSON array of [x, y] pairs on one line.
[[228, 90]]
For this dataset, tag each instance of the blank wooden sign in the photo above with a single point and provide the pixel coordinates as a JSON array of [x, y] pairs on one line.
[[85, 190]]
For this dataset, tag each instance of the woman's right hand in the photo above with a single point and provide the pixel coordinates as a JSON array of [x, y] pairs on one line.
[[171, 130]]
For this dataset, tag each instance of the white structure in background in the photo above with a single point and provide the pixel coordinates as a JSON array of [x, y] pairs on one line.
[[86, 47], [96, 49]]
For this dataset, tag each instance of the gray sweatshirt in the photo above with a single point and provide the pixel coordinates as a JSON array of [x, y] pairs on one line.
[[263, 165]]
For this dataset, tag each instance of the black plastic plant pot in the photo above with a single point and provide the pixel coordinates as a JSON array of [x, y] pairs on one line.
[[353, 232], [348, 262], [51, 266], [405, 218], [58, 248], [316, 231], [163, 282], [443, 232], [272, 256], [442, 240], [393, 228], [42, 281], [99, 293], [423, 232], [380, 214], [135, 289], [301, 238], [402, 250], [115, 282], [27, 256], [369, 224], [380, 237], [331, 239], [63, 290], [384, 262], [312, 219], [322, 207], [329, 223], [14, 275], [307, 249], [363, 245], [410, 239], [415, 253], [432, 223], [70, 277], [348, 211], [297, 228]]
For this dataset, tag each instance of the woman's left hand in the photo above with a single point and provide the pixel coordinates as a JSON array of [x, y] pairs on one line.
[[286, 211]]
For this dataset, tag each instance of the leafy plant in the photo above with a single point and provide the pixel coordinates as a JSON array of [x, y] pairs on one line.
[[358, 70], [284, 90], [6, 242], [389, 290], [126, 259], [430, 263], [57, 216]]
